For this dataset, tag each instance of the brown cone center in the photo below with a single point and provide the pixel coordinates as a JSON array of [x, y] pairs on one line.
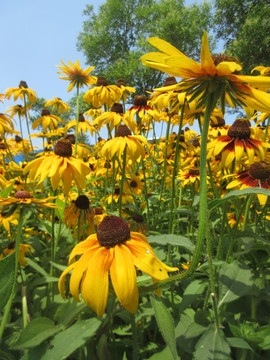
[[112, 231], [240, 129], [63, 148], [22, 195], [140, 100], [123, 131], [82, 202], [260, 170]]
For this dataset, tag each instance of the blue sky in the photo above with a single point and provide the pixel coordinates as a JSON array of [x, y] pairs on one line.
[[35, 36]]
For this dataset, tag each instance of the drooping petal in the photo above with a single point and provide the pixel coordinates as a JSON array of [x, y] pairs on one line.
[[95, 282], [123, 276], [207, 63]]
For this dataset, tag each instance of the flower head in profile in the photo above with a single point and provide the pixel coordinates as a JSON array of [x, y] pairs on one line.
[[60, 165], [47, 120], [23, 249], [258, 175], [76, 75], [22, 91], [216, 74], [115, 250], [25, 198], [124, 141], [57, 104]]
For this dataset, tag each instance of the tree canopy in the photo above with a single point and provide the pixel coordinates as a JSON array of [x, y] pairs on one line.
[[245, 27], [114, 39]]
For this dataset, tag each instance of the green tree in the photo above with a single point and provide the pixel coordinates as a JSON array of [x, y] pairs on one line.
[[114, 39], [245, 27]]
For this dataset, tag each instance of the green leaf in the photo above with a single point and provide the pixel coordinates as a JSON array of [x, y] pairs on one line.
[[176, 240], [68, 340], [67, 312], [191, 293], [212, 346], [236, 193], [36, 267], [35, 333], [238, 343], [7, 191], [164, 354], [7, 278], [235, 281], [43, 280], [165, 324], [61, 205]]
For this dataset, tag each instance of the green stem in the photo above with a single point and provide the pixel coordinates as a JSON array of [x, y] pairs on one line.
[[17, 247], [27, 122], [77, 123], [24, 307], [20, 121], [266, 129], [211, 272], [122, 181], [246, 211], [134, 337]]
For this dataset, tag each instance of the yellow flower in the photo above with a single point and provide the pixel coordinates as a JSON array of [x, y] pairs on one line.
[[103, 94], [116, 250], [134, 145], [59, 166], [23, 248], [84, 125], [215, 74], [80, 213], [47, 120], [76, 75], [25, 198], [57, 104], [21, 92]]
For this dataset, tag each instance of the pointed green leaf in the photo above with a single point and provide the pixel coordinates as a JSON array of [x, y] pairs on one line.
[[165, 324], [192, 292], [212, 346], [69, 340], [35, 333], [7, 277], [235, 281]]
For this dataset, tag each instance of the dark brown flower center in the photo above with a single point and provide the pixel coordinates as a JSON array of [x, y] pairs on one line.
[[170, 80], [71, 138], [133, 184], [218, 58], [194, 172], [138, 218], [2, 146], [81, 117], [22, 195], [196, 143], [123, 131], [63, 148], [45, 112], [116, 191], [118, 108], [220, 122], [18, 139], [23, 84], [140, 100], [112, 231], [82, 202], [98, 211], [107, 165], [11, 245], [240, 129], [120, 82], [260, 170], [101, 81]]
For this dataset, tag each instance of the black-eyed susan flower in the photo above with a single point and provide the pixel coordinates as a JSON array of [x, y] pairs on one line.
[[135, 183], [76, 75], [23, 249], [79, 214], [117, 250], [189, 177], [216, 74], [134, 145], [25, 198], [6, 220], [60, 165], [57, 104], [111, 118], [258, 175], [19, 110], [47, 120], [21, 92], [126, 90], [103, 94], [83, 125], [238, 142], [6, 125]]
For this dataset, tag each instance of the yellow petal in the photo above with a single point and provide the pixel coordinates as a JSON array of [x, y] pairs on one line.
[[123, 276], [207, 63]]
